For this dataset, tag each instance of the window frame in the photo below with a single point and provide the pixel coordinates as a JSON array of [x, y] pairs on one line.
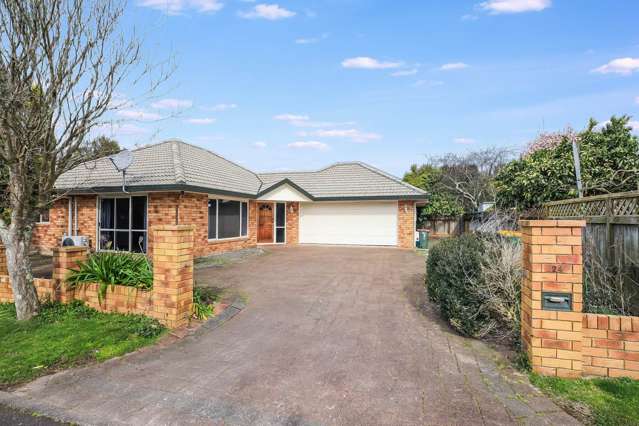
[[217, 219], [115, 229], [41, 216]]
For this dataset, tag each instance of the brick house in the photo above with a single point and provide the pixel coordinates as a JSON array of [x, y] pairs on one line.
[[231, 207]]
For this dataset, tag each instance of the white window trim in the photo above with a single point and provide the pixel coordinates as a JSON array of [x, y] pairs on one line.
[[43, 222], [217, 220], [130, 230]]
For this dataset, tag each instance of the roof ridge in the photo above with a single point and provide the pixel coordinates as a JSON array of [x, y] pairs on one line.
[[177, 162]]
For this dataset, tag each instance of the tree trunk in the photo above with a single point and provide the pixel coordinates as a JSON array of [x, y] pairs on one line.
[[19, 266]]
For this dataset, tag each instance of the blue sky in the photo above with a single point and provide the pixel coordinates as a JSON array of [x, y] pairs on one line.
[[302, 84]]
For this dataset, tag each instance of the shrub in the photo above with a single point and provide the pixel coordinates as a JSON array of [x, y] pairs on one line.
[[112, 268], [203, 300], [476, 281], [453, 266]]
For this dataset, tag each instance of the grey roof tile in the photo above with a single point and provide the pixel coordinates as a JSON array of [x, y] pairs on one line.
[[174, 163]]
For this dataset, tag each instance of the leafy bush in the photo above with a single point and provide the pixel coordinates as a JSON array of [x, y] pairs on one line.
[[609, 163], [110, 269], [475, 280], [453, 266], [203, 300]]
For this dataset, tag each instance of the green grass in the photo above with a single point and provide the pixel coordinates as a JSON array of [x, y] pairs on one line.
[[66, 335], [600, 401]]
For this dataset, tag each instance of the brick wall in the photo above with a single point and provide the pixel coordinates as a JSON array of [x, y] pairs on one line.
[[169, 301], [611, 346], [552, 262], [292, 222], [161, 210], [406, 224], [47, 236]]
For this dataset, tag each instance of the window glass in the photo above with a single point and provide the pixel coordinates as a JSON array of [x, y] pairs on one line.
[[44, 216], [228, 219], [280, 214], [122, 240], [212, 219], [122, 213], [106, 213], [244, 218], [279, 235], [138, 213], [106, 240], [138, 242]]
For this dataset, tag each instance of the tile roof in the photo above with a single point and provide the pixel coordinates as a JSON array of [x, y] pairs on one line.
[[177, 165]]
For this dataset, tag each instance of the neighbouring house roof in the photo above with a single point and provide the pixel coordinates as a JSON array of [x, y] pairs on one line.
[[176, 165]]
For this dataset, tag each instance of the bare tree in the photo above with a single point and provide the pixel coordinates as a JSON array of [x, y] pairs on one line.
[[470, 176], [60, 63]]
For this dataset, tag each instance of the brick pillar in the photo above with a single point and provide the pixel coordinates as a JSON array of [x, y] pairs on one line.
[[292, 222], [173, 273], [552, 263], [406, 224], [64, 259], [3, 260]]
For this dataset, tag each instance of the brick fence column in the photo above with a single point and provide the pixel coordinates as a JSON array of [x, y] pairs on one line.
[[3, 260], [552, 261], [64, 259], [173, 273]]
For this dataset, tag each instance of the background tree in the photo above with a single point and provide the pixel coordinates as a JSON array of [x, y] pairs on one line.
[[546, 172], [99, 147], [60, 62], [458, 183]]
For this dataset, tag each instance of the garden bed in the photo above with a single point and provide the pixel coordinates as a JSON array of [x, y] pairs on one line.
[[63, 336]]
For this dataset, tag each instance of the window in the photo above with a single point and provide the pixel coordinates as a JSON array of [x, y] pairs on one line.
[[227, 219], [123, 223], [44, 217]]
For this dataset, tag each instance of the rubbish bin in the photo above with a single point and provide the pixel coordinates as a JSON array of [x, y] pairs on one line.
[[423, 239]]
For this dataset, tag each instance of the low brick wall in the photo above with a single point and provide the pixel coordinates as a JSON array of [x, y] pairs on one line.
[[170, 301], [610, 346]]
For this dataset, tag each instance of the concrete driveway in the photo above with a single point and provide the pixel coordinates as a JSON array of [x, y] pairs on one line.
[[331, 335]]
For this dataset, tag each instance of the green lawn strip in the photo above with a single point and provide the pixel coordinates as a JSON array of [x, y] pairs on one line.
[[67, 335], [609, 401]]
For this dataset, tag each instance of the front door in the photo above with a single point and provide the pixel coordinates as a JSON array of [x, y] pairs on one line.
[[265, 223]]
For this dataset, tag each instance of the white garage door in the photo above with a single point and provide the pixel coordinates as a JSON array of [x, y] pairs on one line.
[[363, 223]]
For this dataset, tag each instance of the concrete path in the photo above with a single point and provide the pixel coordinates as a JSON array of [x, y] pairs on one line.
[[331, 335]]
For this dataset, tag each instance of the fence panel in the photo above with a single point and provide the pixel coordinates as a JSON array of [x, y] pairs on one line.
[[611, 237]]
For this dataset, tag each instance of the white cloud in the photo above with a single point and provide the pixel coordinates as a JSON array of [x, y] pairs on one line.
[[311, 40], [291, 117], [259, 145], [428, 83], [299, 120], [637, 100], [176, 7], [220, 107], [171, 103], [464, 141], [319, 146], [404, 73], [635, 125], [200, 121], [272, 12], [623, 66], [132, 114], [469, 17], [353, 134], [514, 6], [365, 62], [453, 66]]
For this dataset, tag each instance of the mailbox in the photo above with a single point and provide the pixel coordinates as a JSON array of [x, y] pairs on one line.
[[556, 301]]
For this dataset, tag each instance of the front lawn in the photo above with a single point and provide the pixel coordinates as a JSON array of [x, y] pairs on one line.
[[597, 401], [66, 335]]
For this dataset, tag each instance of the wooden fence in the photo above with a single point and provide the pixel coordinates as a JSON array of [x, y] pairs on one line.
[[452, 226], [612, 232]]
